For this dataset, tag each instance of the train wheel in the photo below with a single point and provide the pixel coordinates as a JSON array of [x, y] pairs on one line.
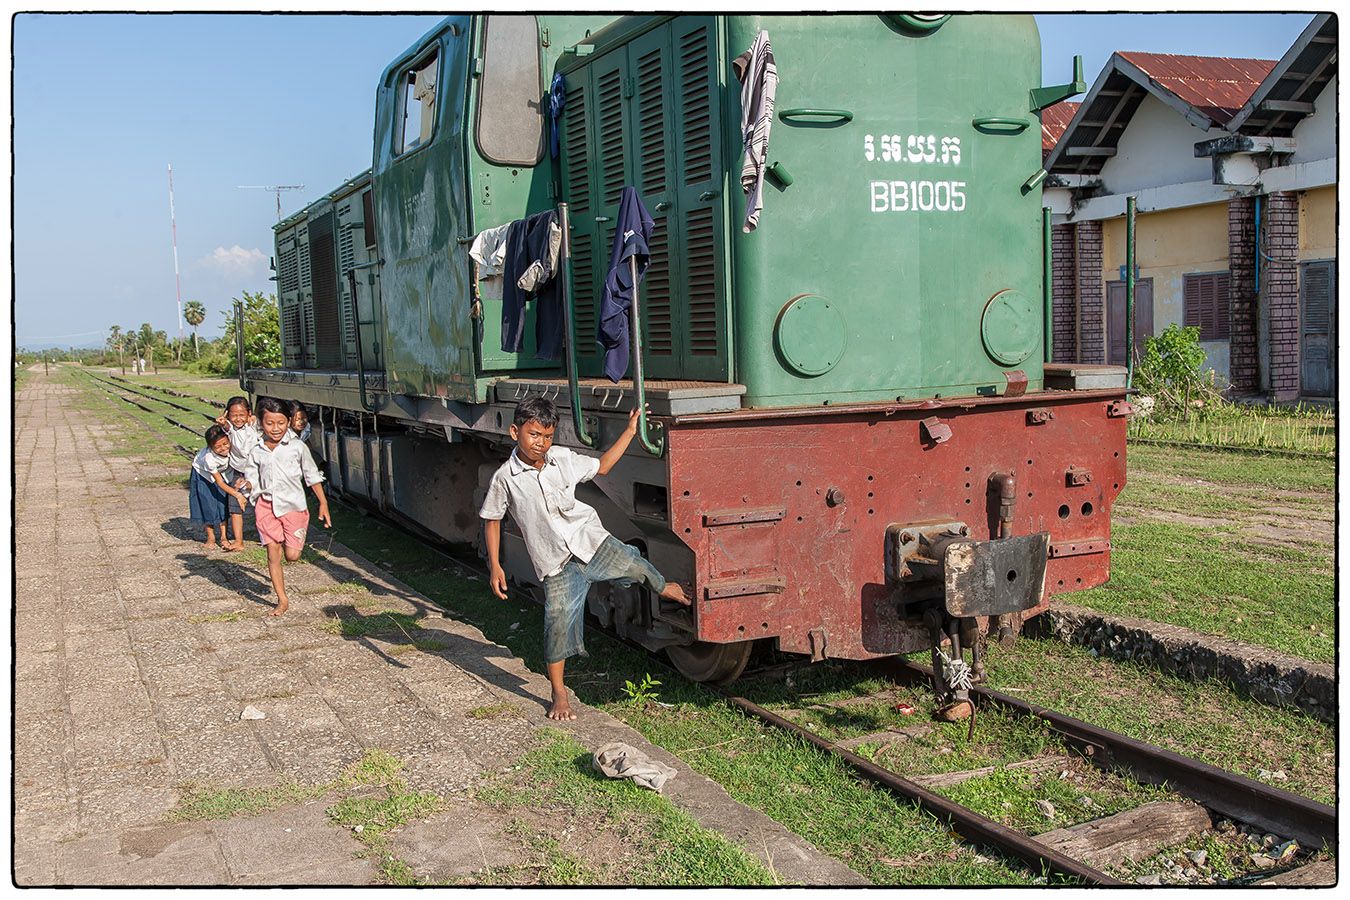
[[718, 663]]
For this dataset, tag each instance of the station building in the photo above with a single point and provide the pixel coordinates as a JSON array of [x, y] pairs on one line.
[[1233, 166]]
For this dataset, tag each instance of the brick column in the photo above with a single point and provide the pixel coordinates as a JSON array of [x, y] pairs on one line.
[[1091, 293], [1279, 281], [1064, 302], [1243, 368]]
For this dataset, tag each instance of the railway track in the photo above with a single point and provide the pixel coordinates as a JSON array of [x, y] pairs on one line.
[[1079, 853], [163, 390]]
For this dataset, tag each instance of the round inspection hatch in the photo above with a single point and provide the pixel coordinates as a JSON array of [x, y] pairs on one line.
[[810, 335], [1010, 327]]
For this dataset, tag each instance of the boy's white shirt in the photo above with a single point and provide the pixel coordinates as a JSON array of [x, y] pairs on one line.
[[242, 441], [280, 474], [207, 463], [556, 525]]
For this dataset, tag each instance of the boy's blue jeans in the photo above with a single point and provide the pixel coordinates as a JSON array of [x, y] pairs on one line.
[[565, 593]]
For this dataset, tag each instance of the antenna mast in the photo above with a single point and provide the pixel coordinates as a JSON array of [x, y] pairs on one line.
[[177, 285], [275, 188]]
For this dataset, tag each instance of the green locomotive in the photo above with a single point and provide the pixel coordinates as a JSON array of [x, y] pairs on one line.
[[857, 447]]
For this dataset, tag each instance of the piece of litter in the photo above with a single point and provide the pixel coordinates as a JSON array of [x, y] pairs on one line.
[[287, 830], [665, 705], [904, 709], [356, 828], [1046, 808], [619, 760], [252, 712], [513, 626]]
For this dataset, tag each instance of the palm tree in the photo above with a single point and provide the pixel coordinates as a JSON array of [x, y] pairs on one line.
[[115, 340], [195, 314]]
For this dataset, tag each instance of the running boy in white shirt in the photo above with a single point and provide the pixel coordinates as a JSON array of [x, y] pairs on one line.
[[568, 546], [239, 423], [275, 475]]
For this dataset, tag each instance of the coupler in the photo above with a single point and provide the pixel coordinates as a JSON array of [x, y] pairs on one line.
[[939, 573]]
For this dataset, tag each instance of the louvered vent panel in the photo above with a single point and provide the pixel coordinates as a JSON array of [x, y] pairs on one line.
[[701, 255], [288, 270], [577, 148], [652, 123], [327, 324], [346, 250], [583, 280], [611, 137], [1317, 299], [290, 324], [307, 331], [656, 294], [696, 120], [303, 258]]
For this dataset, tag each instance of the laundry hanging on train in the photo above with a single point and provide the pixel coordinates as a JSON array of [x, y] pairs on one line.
[[632, 236], [758, 75], [528, 275], [557, 99], [489, 251]]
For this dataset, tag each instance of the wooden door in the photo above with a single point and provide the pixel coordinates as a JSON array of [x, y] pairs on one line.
[[1143, 318], [1317, 326]]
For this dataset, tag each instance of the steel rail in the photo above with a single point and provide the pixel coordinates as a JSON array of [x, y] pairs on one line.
[[163, 390], [156, 399], [969, 824], [1236, 796], [109, 390]]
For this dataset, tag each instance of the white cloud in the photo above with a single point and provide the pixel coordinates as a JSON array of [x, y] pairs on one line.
[[235, 261]]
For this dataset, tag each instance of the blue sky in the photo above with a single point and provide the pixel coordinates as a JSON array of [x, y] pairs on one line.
[[102, 103]]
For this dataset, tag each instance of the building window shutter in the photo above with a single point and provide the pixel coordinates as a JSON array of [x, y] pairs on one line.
[[1205, 305]]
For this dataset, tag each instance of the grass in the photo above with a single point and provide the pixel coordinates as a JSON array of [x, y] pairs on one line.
[[661, 844], [198, 802], [496, 710], [1304, 429], [1216, 467], [1206, 721], [219, 617], [1214, 580]]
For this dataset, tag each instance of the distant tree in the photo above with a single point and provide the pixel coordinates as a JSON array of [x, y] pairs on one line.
[[195, 314], [262, 333], [115, 339]]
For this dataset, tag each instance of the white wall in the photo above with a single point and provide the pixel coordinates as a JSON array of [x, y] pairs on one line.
[[1157, 148], [1315, 135]]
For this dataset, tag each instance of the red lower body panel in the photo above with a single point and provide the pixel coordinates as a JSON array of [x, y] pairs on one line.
[[787, 511]]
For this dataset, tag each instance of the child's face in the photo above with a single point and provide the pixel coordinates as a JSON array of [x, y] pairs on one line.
[[532, 440], [274, 425], [221, 447], [298, 422], [237, 415]]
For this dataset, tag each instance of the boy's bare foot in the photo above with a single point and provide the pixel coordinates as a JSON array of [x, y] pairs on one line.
[[231, 547], [675, 593], [211, 545], [281, 608], [561, 710]]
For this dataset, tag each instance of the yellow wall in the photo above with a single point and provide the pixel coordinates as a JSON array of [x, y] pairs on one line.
[[1170, 245], [1317, 223]]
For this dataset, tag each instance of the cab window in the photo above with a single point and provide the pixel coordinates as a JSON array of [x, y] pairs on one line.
[[417, 104], [510, 128]]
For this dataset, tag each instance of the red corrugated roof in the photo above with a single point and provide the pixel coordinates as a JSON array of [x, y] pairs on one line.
[[1054, 119], [1217, 86]]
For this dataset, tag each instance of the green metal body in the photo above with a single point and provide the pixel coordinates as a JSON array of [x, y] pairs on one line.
[[896, 254]]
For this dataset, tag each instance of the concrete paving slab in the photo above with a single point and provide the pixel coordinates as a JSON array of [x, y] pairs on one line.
[[286, 841]]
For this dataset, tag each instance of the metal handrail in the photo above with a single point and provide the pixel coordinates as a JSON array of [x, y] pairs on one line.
[[570, 331], [356, 330], [239, 342], [654, 447]]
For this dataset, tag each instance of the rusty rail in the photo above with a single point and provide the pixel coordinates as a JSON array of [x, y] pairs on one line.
[[1236, 796], [970, 824]]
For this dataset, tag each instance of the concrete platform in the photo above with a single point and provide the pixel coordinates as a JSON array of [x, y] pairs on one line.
[[136, 652]]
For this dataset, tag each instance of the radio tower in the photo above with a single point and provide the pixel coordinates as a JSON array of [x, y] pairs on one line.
[[177, 286]]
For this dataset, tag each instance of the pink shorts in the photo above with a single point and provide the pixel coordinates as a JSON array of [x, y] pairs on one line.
[[288, 530]]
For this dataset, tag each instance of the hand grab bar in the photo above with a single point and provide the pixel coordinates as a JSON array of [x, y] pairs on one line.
[[570, 331], [654, 447], [816, 116]]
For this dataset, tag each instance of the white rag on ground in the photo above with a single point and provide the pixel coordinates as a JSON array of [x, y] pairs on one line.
[[619, 760]]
